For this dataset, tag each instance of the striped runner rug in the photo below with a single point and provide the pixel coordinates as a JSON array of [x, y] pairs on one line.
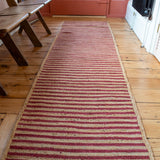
[[80, 106]]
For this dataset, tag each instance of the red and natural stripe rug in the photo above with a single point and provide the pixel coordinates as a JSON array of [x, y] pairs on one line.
[[80, 106]]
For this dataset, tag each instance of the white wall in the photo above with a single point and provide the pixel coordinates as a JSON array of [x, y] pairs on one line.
[[146, 30]]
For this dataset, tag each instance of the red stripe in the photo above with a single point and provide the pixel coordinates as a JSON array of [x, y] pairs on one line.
[[83, 113], [81, 104], [95, 85], [77, 144], [82, 84], [49, 65], [80, 117], [77, 60], [71, 77], [92, 72], [86, 87], [78, 100], [111, 92], [75, 157], [111, 60], [78, 150], [94, 58], [77, 138], [58, 58], [78, 64], [87, 72], [91, 65], [89, 89], [79, 127], [84, 81], [90, 81], [81, 75], [73, 96], [86, 68], [83, 64], [77, 132], [78, 122], [79, 108]]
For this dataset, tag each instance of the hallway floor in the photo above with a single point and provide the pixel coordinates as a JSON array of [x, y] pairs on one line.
[[142, 71]]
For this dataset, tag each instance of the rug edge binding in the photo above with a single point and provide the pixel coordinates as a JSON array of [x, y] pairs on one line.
[[148, 146]]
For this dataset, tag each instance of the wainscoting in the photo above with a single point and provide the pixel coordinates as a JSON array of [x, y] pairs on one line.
[[109, 8]]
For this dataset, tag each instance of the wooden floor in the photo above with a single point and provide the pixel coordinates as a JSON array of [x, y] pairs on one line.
[[142, 70]]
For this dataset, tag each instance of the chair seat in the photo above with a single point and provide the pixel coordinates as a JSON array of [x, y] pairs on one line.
[[16, 10], [11, 22]]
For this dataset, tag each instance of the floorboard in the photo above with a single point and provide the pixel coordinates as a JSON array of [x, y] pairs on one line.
[[142, 71]]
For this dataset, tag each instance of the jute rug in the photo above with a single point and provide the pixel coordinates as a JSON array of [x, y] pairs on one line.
[[80, 106]]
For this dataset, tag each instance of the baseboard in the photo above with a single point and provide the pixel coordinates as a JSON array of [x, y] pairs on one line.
[[78, 16]]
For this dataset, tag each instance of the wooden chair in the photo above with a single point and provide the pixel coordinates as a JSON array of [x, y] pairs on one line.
[[8, 24], [11, 18], [40, 18]]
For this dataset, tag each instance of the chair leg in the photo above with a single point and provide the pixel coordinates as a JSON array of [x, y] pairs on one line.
[[20, 30], [2, 91], [29, 31], [15, 52], [43, 22]]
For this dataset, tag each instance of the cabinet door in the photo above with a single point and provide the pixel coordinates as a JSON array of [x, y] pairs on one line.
[[80, 7], [117, 8], [157, 45], [46, 10]]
